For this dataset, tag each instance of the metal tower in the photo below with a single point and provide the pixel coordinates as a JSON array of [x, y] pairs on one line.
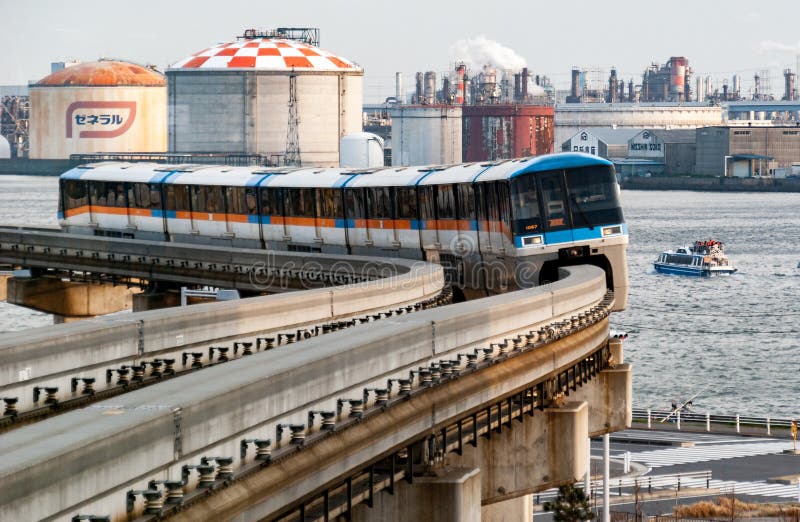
[[292, 135]]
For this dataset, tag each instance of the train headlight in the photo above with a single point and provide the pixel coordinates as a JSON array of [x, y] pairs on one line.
[[612, 231], [531, 241]]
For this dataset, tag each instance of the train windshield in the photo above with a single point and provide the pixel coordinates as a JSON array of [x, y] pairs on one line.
[[525, 206], [592, 195]]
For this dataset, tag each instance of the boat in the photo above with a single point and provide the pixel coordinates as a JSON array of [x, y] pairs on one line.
[[703, 259]]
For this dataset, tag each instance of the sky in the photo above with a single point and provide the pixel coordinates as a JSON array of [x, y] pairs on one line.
[[719, 38]]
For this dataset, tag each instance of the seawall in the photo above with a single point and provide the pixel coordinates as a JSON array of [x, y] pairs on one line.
[[713, 184]]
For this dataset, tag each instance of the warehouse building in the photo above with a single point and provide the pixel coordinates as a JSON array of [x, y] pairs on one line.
[[747, 151]]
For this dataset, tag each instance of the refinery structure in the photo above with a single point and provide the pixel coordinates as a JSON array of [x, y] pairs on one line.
[[274, 97], [484, 115]]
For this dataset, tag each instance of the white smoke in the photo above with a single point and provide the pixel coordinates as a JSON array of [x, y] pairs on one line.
[[479, 51], [769, 45]]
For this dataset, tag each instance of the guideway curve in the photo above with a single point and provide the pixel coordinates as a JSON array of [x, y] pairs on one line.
[[117, 446]]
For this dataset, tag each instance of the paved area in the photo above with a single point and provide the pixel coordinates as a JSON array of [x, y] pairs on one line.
[[738, 464]]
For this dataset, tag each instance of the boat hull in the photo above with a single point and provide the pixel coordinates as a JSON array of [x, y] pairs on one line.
[[663, 268]]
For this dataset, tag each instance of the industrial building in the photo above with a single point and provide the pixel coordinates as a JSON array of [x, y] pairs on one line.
[[658, 151], [274, 93], [108, 106], [489, 115], [606, 143], [747, 151], [570, 118]]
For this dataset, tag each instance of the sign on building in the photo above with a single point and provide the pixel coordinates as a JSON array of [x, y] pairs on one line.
[[646, 145]]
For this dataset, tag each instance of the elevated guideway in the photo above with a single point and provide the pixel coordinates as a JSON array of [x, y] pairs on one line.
[[311, 429]]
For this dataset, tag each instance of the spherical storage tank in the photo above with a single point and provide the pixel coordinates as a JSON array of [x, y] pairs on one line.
[[263, 94], [103, 106]]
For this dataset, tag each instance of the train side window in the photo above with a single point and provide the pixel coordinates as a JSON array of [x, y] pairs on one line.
[[406, 198], [155, 196], [215, 199], [299, 202], [354, 203], [445, 202], [379, 203], [271, 202], [329, 203], [492, 208], [177, 198], [480, 203], [139, 196], [466, 201], [250, 201], [98, 196], [75, 194], [503, 200], [233, 200], [426, 202], [199, 197]]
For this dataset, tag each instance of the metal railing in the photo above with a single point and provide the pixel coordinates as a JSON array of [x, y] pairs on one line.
[[645, 484], [662, 419]]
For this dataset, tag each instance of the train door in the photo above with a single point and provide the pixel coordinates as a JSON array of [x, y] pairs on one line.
[[177, 210], [232, 210], [482, 234], [330, 219], [558, 228], [300, 219], [273, 229], [407, 220], [428, 229], [494, 219], [380, 221], [504, 204], [356, 218]]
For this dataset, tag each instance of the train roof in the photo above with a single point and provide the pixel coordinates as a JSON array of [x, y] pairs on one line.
[[331, 177]]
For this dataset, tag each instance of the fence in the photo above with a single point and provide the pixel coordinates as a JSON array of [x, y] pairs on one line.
[[644, 483], [709, 422]]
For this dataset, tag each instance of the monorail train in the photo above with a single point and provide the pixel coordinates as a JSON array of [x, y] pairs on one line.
[[494, 226]]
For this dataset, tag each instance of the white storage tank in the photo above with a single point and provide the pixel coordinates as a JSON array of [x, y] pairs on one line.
[[426, 135], [235, 98], [103, 106], [361, 150]]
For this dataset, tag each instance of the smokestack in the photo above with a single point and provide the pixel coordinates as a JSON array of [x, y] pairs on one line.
[[524, 81], [612, 86], [430, 88], [574, 88], [398, 87], [757, 86], [789, 93], [418, 96], [460, 71]]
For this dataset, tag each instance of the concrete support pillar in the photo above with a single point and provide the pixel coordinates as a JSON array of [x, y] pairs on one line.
[[518, 509], [67, 298], [547, 450], [609, 398], [451, 495]]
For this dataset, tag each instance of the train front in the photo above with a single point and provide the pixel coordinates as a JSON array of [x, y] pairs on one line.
[[566, 211]]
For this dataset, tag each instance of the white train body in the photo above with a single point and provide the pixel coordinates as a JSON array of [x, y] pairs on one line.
[[494, 226]]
